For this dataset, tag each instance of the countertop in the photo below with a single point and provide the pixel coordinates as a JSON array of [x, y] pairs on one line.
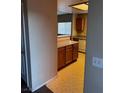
[[65, 43], [61, 36]]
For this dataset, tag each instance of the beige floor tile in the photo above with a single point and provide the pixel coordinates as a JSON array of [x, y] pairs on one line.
[[70, 79]]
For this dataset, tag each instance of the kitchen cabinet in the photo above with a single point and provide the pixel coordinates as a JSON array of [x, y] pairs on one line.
[[61, 57], [67, 54], [75, 51], [79, 23]]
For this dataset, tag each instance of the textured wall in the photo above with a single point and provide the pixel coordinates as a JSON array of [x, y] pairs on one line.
[[94, 75], [42, 18]]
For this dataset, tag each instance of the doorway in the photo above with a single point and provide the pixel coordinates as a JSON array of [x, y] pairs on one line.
[[70, 79]]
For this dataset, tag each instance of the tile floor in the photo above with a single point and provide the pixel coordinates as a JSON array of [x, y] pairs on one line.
[[71, 78]]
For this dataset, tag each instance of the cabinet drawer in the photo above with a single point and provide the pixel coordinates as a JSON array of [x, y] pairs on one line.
[[69, 47], [61, 49]]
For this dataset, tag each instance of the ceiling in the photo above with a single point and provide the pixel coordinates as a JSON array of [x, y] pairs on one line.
[[63, 6]]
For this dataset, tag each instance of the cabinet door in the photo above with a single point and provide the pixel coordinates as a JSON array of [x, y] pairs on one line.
[[61, 57], [68, 54], [75, 51]]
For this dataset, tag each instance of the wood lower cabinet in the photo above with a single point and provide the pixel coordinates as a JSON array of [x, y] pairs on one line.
[[69, 51], [61, 57], [75, 51], [67, 54]]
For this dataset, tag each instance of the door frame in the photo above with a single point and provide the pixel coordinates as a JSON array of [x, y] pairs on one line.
[[24, 22]]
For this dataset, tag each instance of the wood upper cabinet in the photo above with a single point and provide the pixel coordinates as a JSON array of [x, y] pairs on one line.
[[69, 57], [61, 57], [79, 23], [75, 51]]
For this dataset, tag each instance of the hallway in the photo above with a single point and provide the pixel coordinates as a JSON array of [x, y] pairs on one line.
[[70, 79]]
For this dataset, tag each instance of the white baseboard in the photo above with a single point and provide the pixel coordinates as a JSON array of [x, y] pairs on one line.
[[44, 83]]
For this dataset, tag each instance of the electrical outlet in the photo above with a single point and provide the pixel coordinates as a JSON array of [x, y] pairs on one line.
[[97, 62]]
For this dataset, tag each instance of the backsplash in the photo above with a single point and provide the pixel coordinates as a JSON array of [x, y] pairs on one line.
[[63, 38]]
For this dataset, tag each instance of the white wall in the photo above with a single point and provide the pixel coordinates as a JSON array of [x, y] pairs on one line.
[[94, 75], [42, 17], [74, 32]]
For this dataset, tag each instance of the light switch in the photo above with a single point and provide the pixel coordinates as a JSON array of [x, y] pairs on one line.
[[98, 62]]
